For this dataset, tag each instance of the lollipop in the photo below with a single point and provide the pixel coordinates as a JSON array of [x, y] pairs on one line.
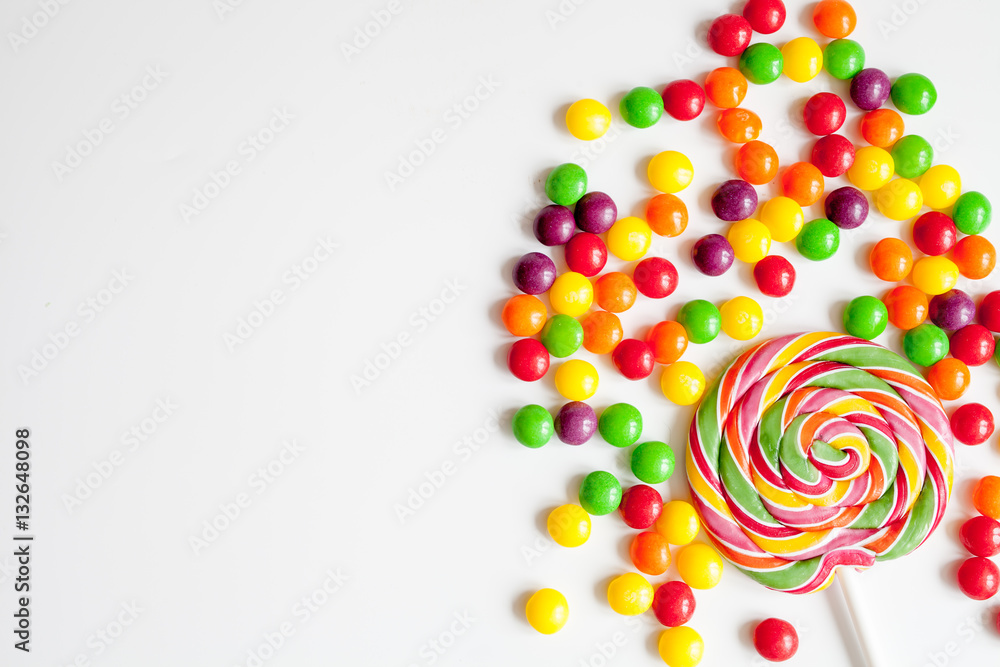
[[817, 451]]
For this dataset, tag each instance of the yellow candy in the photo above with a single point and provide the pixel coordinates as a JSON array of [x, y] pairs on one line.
[[941, 186], [682, 382], [872, 168], [576, 379], [751, 240], [681, 647], [569, 525], [784, 217], [900, 199], [571, 294], [678, 522], [934, 275], [588, 119], [699, 565], [670, 171], [630, 594], [803, 59], [742, 318], [547, 611], [629, 238]]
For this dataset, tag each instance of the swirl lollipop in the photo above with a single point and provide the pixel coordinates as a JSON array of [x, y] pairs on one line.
[[817, 451]]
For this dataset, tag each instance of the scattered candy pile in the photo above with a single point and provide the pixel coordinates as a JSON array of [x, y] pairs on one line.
[[979, 577]]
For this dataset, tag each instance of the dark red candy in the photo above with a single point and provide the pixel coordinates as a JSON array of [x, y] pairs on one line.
[[775, 276], [979, 578], [586, 254], [641, 506], [973, 344], [764, 16], [655, 277], [729, 35], [633, 358], [981, 536], [833, 155], [673, 604], [528, 359], [972, 423], [934, 233], [683, 99], [824, 113], [775, 640], [989, 311]]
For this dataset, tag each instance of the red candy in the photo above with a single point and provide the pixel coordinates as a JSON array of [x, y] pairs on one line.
[[833, 155], [934, 233], [972, 423], [981, 536], [655, 277], [641, 506], [673, 604], [586, 254], [775, 640], [729, 35], [972, 344], [979, 578], [528, 360], [764, 16], [633, 358], [824, 113], [775, 275], [683, 99], [989, 311]]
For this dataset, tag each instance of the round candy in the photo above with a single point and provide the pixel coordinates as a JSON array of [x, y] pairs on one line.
[[899, 199], [934, 275], [941, 186], [678, 522], [818, 240], [641, 107], [756, 163], [734, 200], [653, 462], [891, 260], [615, 292], [673, 604], [802, 182], [588, 119], [986, 496], [834, 18], [972, 213], [973, 344], [554, 225], [784, 217], [866, 317], [751, 240], [949, 378], [655, 277], [562, 336], [914, 94], [633, 359], [595, 212], [670, 171], [824, 113], [980, 535], [701, 320], [576, 379], [739, 125], [925, 344], [532, 426], [847, 207], [882, 127], [600, 493], [534, 273], [989, 311], [566, 184], [843, 58], [729, 35], [872, 168], [774, 275], [761, 63], [682, 383], [576, 423], [680, 647], [975, 257], [602, 331], [870, 89], [699, 565], [775, 639], [712, 254], [726, 87], [934, 233], [979, 578], [524, 315], [802, 59], [586, 254], [833, 155], [666, 215], [571, 294], [667, 340], [630, 594], [683, 99], [952, 310], [528, 360], [650, 553], [640, 507], [629, 238], [912, 156], [620, 425], [547, 611], [764, 16], [907, 307], [569, 525], [742, 318]]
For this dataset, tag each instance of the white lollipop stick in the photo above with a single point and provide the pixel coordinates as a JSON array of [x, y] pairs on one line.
[[849, 586]]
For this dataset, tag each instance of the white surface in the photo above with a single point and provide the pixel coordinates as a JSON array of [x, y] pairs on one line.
[[463, 216]]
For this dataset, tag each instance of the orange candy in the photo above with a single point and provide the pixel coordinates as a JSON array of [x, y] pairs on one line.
[[882, 127], [524, 315], [986, 496], [756, 163], [668, 340], [907, 307], [835, 18], [602, 331], [726, 87], [975, 257], [650, 553], [802, 182], [949, 378], [891, 260], [615, 292], [739, 125], [667, 215]]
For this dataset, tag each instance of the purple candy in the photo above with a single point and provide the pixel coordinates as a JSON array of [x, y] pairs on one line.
[[554, 225], [952, 310], [734, 200], [870, 88], [576, 423], [712, 254], [847, 207], [534, 273], [595, 212]]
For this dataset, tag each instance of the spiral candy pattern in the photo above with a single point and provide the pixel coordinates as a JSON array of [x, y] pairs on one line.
[[817, 451]]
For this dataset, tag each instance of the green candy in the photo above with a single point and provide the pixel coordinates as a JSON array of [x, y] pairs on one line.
[[566, 184], [620, 424], [925, 344], [843, 58], [913, 94], [818, 240], [972, 213], [866, 317], [562, 335], [653, 462], [701, 320], [600, 493], [533, 426], [912, 155], [762, 63], [641, 107]]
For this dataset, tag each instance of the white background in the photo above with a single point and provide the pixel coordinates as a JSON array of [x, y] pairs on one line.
[[477, 546]]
